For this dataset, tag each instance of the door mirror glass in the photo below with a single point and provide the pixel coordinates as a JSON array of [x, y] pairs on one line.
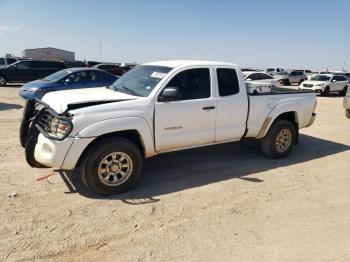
[[170, 94]]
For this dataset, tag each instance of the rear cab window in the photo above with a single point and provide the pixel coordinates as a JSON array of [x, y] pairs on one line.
[[228, 83]]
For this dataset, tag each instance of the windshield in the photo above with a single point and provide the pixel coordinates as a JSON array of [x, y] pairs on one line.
[[141, 80], [57, 76], [320, 78]]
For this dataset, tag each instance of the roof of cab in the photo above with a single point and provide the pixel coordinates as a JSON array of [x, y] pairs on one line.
[[178, 63]]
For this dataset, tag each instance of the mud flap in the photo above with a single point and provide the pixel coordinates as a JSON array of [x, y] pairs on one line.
[[30, 147]]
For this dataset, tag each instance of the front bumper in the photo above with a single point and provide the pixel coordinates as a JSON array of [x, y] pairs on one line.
[[315, 89], [27, 95], [41, 147], [60, 154]]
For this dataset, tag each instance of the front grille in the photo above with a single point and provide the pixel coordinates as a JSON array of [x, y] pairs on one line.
[[308, 85], [44, 120]]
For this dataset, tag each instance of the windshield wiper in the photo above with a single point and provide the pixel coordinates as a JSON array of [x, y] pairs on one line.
[[127, 89]]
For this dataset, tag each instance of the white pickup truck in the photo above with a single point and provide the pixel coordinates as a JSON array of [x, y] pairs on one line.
[[156, 108]]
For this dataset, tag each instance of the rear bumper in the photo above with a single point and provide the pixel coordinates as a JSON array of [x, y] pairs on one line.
[[312, 120], [346, 102]]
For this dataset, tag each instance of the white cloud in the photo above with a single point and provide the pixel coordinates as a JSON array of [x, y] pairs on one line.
[[19, 27], [6, 28]]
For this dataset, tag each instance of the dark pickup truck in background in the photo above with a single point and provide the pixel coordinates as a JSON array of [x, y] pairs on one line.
[[25, 71]]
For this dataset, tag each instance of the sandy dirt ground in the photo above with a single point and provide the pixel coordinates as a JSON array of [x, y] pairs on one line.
[[219, 203]]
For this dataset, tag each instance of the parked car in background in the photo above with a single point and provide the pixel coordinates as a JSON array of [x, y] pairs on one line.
[[114, 69], [346, 103], [282, 77], [260, 77], [71, 78], [293, 77], [248, 70], [91, 63], [274, 70], [6, 61], [25, 71], [127, 67], [296, 77], [75, 64], [307, 72], [326, 83]]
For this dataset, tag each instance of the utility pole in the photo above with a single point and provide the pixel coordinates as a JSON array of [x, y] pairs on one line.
[[100, 50]]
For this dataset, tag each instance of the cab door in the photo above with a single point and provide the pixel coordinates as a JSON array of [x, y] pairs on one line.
[[189, 121]]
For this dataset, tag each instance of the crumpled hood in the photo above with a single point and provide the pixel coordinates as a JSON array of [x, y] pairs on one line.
[[60, 100]]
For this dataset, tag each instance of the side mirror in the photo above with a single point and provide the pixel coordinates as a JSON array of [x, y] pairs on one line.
[[67, 81], [334, 80], [170, 94]]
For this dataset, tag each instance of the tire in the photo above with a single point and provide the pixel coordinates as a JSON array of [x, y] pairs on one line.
[[269, 144], [100, 158], [343, 92], [2, 81], [29, 151], [326, 91], [347, 113], [286, 82], [302, 80]]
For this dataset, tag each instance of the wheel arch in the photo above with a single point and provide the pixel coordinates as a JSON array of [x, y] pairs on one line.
[[131, 134], [289, 115], [134, 129]]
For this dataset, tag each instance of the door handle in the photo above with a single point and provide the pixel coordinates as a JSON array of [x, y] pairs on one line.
[[208, 107]]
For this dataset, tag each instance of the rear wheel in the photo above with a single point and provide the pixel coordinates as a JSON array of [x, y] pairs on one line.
[[286, 82], [280, 139], [111, 166], [326, 91], [2, 81]]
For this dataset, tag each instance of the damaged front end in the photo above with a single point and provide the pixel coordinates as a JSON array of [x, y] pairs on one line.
[[38, 117]]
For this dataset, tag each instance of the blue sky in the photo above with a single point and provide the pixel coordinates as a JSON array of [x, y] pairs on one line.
[[290, 33]]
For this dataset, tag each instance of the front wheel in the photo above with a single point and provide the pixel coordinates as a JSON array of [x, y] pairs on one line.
[[279, 140], [111, 166]]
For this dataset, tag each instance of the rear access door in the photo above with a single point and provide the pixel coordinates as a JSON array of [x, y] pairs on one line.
[[232, 105]]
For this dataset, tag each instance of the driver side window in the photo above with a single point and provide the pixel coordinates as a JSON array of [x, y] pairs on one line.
[[193, 83], [78, 77]]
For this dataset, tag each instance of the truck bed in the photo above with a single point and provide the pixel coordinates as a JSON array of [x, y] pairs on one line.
[[262, 104], [283, 90]]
